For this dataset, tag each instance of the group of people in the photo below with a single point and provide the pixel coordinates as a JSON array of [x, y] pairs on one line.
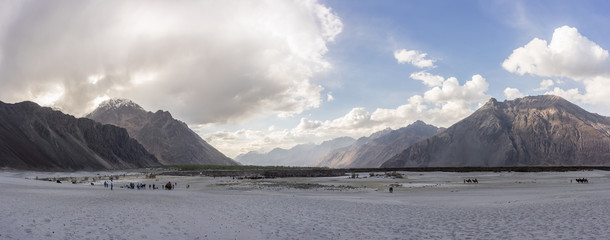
[[143, 186], [170, 186], [139, 186], [111, 184]]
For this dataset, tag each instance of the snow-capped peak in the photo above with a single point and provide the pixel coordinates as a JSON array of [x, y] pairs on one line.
[[118, 103]]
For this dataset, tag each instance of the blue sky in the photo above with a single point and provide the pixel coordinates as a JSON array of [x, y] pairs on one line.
[[464, 37], [467, 37], [255, 75]]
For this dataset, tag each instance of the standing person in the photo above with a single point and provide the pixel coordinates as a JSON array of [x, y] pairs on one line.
[[111, 185]]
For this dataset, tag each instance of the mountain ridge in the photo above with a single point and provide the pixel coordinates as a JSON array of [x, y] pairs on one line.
[[169, 139], [531, 131], [40, 138]]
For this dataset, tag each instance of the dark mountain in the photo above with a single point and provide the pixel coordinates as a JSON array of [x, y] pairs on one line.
[[373, 151], [299, 155], [531, 131], [39, 138], [170, 140]]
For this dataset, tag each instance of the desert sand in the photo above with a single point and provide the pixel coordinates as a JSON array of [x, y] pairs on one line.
[[424, 205]]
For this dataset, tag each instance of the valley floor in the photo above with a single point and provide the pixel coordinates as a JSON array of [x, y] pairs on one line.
[[427, 205]]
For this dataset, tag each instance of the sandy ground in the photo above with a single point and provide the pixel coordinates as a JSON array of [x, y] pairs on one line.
[[423, 206]]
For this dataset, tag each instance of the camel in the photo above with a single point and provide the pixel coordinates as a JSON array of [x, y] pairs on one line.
[[582, 180]]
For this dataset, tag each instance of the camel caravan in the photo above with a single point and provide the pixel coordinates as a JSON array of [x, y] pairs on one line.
[[471, 181], [582, 180]]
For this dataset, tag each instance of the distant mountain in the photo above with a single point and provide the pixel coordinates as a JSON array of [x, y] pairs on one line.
[[373, 151], [39, 138], [300, 155], [530, 131], [170, 140]]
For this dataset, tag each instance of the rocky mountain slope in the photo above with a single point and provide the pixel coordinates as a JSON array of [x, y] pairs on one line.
[[530, 131], [39, 138], [170, 140], [371, 153], [300, 155]]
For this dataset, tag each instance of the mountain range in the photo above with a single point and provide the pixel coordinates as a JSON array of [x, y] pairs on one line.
[[374, 151], [40, 138], [531, 131], [170, 140], [299, 155], [345, 152]]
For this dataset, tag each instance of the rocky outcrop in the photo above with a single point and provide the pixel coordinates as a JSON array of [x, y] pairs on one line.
[[39, 138], [170, 140], [531, 131], [371, 153], [299, 155]]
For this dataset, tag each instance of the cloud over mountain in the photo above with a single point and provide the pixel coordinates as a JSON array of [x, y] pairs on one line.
[[442, 105], [233, 59], [512, 93], [570, 55]]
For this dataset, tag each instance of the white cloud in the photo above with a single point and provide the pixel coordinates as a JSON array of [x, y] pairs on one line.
[[545, 84], [441, 106], [205, 61], [512, 93], [329, 97], [49, 98], [571, 94], [570, 55], [413, 57], [473, 90], [428, 79]]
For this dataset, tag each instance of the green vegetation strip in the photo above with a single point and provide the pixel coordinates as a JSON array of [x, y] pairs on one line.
[[236, 167]]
